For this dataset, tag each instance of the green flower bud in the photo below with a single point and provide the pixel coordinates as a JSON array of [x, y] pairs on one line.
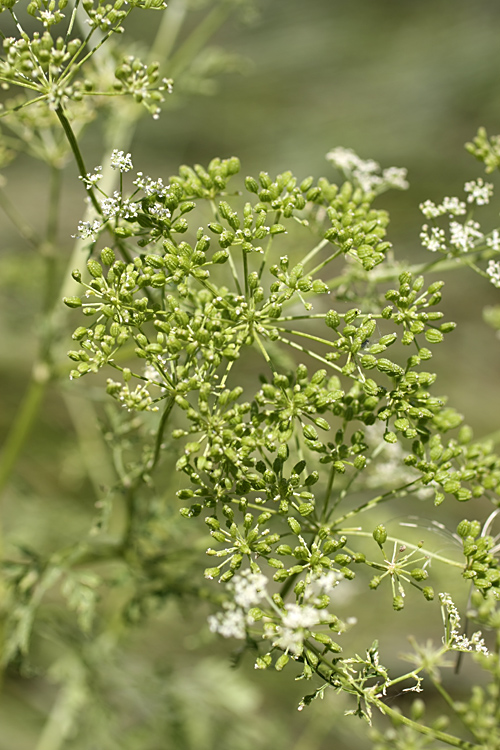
[[380, 535], [72, 301], [398, 603]]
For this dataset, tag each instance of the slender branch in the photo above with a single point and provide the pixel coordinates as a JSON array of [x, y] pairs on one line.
[[397, 540], [436, 734], [76, 152]]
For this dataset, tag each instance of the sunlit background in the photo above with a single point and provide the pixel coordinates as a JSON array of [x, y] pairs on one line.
[[405, 83]]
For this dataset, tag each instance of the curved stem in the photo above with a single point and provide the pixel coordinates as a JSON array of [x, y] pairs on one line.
[[436, 734]]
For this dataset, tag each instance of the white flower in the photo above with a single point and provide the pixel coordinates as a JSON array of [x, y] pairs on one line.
[[433, 238], [395, 177], [493, 272], [464, 236], [150, 186], [479, 191], [116, 206], [493, 240], [453, 638], [430, 210], [323, 584], [452, 206], [299, 617], [90, 179], [121, 161], [230, 623], [88, 230], [249, 588], [290, 633], [159, 210], [345, 159]]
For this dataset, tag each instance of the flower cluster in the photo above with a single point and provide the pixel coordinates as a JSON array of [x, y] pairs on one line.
[[367, 173], [455, 640]]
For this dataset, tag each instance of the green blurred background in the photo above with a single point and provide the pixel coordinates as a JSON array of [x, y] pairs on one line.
[[403, 82]]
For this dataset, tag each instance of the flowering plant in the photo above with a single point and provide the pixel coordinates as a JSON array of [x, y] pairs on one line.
[[189, 279]]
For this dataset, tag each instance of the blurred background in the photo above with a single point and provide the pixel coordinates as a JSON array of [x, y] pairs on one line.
[[401, 82]]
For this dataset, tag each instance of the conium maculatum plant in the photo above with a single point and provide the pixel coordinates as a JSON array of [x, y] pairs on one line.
[[266, 334]]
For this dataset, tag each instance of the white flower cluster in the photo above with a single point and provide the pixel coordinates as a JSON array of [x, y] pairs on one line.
[[450, 206], [286, 628], [463, 237], [149, 186], [493, 240], [88, 230], [120, 160], [453, 638], [248, 590], [91, 179], [493, 272], [366, 173], [289, 635], [433, 238], [116, 206], [479, 191]]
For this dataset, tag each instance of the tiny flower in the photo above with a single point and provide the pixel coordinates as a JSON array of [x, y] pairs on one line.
[[249, 588], [433, 238], [121, 161], [464, 236], [88, 230], [493, 272], [493, 240], [395, 177], [452, 206], [479, 191], [229, 624], [90, 179]]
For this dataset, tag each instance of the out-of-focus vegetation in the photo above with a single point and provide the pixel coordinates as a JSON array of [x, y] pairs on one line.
[[401, 82]]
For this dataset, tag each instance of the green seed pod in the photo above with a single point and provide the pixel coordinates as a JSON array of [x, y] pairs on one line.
[[251, 185], [398, 603], [281, 662], [294, 525], [419, 574], [107, 256], [72, 301], [380, 535], [433, 336]]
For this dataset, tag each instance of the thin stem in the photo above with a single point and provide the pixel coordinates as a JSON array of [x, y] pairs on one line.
[[301, 348], [398, 540], [76, 152], [374, 502], [264, 351], [160, 432], [436, 734], [328, 493], [325, 262], [314, 252]]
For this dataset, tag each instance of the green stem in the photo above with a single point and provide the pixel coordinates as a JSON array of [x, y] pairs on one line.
[[398, 540], [314, 252], [372, 503], [160, 432], [436, 734], [68, 130]]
